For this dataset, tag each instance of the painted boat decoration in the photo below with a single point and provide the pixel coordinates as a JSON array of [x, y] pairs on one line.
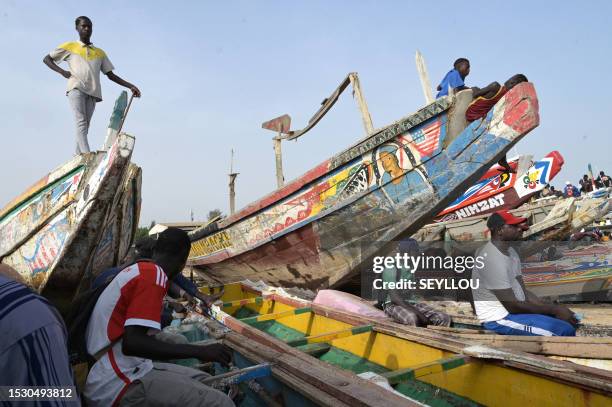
[[499, 189], [50, 232], [318, 229], [576, 273], [549, 219], [426, 366]]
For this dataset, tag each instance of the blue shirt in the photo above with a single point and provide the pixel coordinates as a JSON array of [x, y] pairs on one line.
[[452, 79], [33, 349]]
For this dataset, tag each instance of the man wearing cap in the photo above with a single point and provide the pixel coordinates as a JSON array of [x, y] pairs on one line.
[[501, 301]]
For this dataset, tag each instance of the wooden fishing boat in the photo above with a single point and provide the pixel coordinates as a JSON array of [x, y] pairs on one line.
[[318, 229], [575, 273], [549, 219], [499, 189], [80, 218], [429, 367]]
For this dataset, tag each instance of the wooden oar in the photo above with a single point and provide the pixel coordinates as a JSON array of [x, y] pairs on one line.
[[127, 109]]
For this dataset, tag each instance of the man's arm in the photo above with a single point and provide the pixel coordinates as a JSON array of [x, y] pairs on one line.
[[137, 343], [111, 75], [488, 91], [514, 306], [55, 67]]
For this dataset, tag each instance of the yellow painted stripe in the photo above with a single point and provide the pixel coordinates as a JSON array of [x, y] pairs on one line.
[[239, 303], [277, 315], [330, 336], [424, 369]]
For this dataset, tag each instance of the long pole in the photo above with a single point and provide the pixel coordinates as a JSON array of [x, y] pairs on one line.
[[232, 181], [424, 76], [280, 180]]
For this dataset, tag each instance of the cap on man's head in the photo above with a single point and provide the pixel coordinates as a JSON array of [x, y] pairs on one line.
[[501, 218]]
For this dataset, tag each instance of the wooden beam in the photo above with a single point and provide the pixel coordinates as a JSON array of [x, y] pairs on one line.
[[361, 103], [424, 369], [275, 316], [239, 376], [239, 303], [330, 336]]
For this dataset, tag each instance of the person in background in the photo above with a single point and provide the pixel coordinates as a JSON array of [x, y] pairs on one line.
[[570, 190], [603, 180], [33, 347], [85, 61], [586, 184], [403, 306], [455, 78], [485, 98], [501, 301]]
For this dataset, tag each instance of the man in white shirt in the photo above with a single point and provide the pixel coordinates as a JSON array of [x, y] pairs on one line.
[[85, 63], [501, 301]]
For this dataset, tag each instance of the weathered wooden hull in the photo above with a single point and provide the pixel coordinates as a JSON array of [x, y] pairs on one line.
[[425, 365], [557, 216], [499, 190], [323, 226], [573, 274], [51, 232]]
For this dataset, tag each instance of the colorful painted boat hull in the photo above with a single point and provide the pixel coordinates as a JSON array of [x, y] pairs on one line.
[[341, 213], [50, 233], [429, 367], [498, 190], [576, 273]]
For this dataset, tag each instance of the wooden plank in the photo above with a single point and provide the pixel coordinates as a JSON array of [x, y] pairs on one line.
[[316, 349], [424, 369], [330, 336], [239, 303], [275, 316], [361, 103], [239, 376], [314, 378]]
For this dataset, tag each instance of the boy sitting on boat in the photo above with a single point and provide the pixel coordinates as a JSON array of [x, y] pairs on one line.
[[403, 305], [485, 98], [501, 301], [455, 78]]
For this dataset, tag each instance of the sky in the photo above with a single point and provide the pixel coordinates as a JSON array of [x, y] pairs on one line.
[[212, 71]]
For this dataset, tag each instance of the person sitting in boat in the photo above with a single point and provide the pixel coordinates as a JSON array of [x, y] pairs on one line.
[[119, 331], [485, 98], [586, 184], [84, 90], [33, 349], [603, 180], [570, 190], [501, 301], [401, 304], [455, 78]]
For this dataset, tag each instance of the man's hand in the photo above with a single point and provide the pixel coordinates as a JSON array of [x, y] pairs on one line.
[[565, 314], [209, 300], [216, 352], [135, 91]]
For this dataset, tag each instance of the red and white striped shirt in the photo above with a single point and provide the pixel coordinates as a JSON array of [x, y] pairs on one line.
[[134, 297]]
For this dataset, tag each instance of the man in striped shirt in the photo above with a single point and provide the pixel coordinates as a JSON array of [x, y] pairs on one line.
[[33, 349]]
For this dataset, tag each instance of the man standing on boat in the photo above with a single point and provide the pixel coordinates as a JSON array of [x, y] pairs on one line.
[[85, 63], [455, 78], [501, 301]]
